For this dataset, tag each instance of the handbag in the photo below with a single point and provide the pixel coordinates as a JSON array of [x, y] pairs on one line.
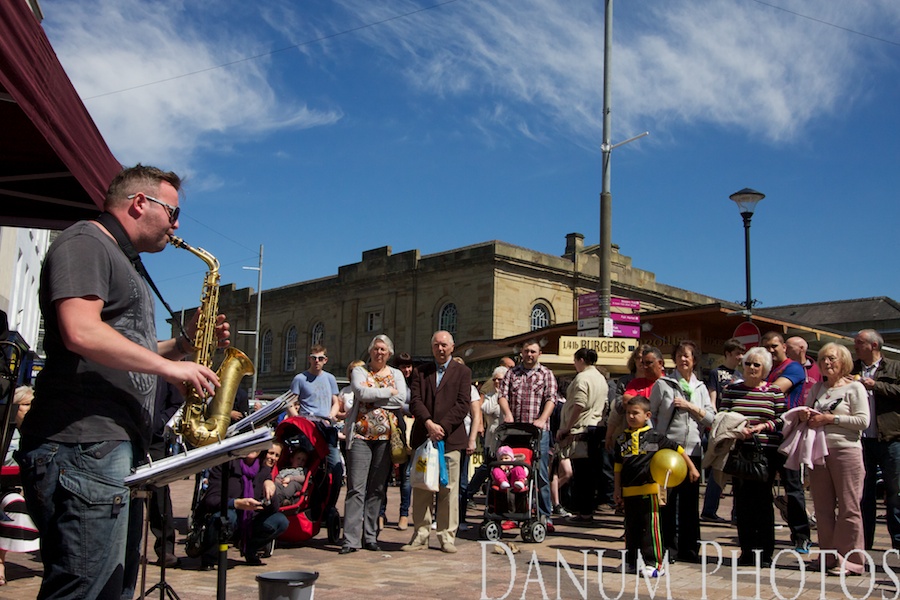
[[748, 461], [399, 449], [425, 473]]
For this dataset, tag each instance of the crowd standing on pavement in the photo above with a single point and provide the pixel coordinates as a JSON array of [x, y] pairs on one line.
[[590, 420]]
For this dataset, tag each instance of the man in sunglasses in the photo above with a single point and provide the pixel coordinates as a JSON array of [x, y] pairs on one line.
[[789, 376], [318, 400], [92, 415]]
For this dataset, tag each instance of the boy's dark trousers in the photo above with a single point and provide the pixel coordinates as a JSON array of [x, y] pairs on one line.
[[642, 530]]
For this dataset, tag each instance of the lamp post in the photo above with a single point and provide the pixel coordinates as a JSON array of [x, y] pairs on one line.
[[746, 200]]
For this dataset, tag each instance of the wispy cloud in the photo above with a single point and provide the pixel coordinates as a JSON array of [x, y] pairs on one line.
[[168, 122], [532, 67], [729, 63]]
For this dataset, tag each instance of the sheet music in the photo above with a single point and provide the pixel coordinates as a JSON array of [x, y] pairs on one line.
[[263, 415], [173, 468]]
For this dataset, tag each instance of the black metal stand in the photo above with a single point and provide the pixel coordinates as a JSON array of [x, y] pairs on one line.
[[224, 534], [165, 590]]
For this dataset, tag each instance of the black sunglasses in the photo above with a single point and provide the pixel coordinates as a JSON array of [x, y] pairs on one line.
[[173, 211]]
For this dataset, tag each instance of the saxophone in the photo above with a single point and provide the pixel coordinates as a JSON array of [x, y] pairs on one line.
[[204, 423]]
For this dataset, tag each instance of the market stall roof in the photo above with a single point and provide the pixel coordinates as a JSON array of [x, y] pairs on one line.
[[54, 164]]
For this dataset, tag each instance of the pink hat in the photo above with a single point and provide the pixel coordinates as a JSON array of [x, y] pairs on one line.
[[504, 451]]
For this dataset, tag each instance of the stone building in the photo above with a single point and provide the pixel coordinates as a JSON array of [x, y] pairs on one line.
[[486, 291]]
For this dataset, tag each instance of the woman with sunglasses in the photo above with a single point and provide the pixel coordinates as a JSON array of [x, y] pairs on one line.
[[763, 406], [840, 406]]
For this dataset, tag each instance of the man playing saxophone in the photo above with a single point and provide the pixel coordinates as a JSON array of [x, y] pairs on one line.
[[93, 405]]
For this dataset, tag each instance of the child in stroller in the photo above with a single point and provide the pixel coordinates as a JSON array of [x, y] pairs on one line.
[[509, 475], [289, 481], [306, 502], [518, 452]]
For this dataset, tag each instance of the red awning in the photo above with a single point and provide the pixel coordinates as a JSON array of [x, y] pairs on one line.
[[54, 165]]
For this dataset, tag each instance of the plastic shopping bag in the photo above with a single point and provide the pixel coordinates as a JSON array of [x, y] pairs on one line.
[[445, 474], [426, 469]]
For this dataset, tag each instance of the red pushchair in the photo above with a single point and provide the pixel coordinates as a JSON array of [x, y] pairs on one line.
[[311, 509]]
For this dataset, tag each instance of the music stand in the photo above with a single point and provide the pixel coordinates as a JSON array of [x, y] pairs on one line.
[[165, 590]]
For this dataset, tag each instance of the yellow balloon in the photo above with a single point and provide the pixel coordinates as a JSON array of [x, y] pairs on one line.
[[667, 464]]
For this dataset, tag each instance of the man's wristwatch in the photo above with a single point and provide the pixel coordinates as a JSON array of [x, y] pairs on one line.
[[837, 420]]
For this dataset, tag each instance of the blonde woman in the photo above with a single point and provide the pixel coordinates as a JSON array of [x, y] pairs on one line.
[[840, 406]]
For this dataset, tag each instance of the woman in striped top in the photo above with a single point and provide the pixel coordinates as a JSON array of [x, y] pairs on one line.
[[763, 405]]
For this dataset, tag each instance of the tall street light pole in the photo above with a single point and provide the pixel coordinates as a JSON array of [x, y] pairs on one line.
[[604, 286], [604, 291], [746, 200], [255, 332]]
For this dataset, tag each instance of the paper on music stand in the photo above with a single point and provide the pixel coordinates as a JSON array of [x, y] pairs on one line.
[[264, 415], [173, 468]]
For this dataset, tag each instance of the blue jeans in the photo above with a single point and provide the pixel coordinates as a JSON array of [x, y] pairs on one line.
[[544, 475], [76, 496], [889, 457], [265, 526]]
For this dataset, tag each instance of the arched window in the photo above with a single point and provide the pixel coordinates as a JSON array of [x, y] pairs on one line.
[[540, 316], [265, 359], [290, 350], [317, 337], [447, 318]]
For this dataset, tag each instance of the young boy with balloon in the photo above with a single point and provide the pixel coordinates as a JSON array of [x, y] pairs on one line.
[[646, 461]]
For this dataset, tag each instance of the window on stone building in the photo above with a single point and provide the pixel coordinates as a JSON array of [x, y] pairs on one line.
[[447, 318], [265, 359], [317, 337], [373, 321], [540, 316], [290, 350]]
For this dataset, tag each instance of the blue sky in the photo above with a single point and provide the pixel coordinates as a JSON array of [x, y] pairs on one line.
[[323, 128]]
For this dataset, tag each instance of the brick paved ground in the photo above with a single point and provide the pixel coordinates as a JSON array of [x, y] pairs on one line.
[[476, 572]]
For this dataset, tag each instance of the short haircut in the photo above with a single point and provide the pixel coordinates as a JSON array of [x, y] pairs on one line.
[[384, 339], [872, 336], [644, 403], [684, 345], [500, 372], [588, 355], [532, 342], [771, 335], [655, 352], [450, 335], [318, 348], [762, 356], [843, 355], [138, 179], [731, 345]]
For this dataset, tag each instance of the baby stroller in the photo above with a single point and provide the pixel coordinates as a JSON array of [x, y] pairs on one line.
[[520, 506], [305, 516]]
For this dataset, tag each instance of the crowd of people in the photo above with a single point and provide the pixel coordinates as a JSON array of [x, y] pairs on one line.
[[107, 380]]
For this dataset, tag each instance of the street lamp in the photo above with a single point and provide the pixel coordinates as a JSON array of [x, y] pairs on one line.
[[746, 200]]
